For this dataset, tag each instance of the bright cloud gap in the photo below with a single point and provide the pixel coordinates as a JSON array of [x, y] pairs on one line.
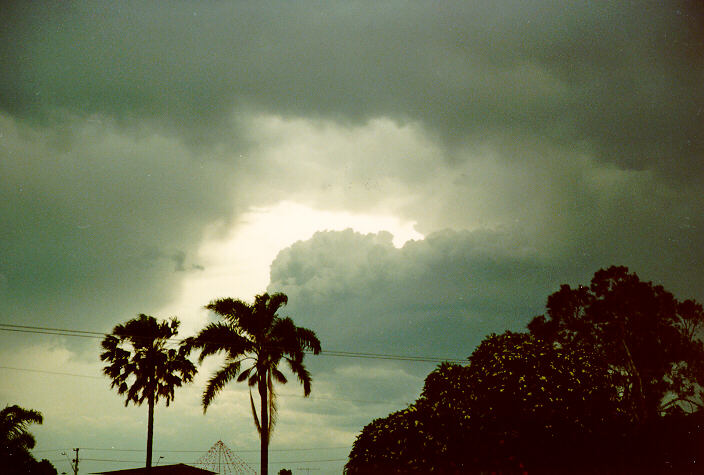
[[237, 263]]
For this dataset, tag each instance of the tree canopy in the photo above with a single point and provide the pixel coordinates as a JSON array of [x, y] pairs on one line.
[[518, 398], [650, 340]]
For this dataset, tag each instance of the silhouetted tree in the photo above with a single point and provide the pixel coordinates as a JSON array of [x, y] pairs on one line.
[[16, 442], [143, 368], [520, 404], [651, 341], [542, 407], [420, 438], [257, 334], [285, 471], [610, 381]]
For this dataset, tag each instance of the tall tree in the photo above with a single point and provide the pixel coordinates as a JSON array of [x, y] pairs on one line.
[[16, 442], [649, 339], [255, 333], [143, 368]]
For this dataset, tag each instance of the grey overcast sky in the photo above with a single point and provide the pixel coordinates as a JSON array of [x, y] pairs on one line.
[[414, 175]]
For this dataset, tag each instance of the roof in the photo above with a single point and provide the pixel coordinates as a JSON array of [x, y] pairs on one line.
[[177, 469]]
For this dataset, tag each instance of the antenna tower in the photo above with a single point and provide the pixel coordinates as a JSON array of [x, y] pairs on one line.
[[220, 459]]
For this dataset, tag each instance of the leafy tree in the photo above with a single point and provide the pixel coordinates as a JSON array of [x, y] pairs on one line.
[[521, 403], [540, 406], [424, 436], [651, 341], [255, 333], [142, 367], [397, 443], [609, 381], [16, 442], [285, 471]]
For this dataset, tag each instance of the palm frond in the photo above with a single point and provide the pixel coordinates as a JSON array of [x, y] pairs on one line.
[[283, 332], [254, 413], [14, 422], [244, 375], [219, 337], [174, 371], [223, 376], [276, 301], [144, 330], [233, 311], [308, 340], [278, 375], [294, 340], [25, 440], [301, 373], [273, 406], [264, 310]]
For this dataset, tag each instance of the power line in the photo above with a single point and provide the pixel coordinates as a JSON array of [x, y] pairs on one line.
[[335, 353], [46, 332], [285, 395], [61, 373], [205, 450], [253, 463]]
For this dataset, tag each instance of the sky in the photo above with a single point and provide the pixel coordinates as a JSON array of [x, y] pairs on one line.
[[413, 175]]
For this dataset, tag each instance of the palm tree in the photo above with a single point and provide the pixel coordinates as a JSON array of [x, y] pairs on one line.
[[257, 335], [143, 368], [15, 439]]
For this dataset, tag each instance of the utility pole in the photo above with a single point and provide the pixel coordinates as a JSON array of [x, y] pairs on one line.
[[74, 466]]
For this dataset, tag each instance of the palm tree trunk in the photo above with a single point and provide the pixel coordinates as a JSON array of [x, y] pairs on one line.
[[264, 455], [150, 432]]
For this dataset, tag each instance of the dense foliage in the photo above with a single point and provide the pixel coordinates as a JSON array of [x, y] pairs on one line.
[[16, 442], [609, 382], [520, 404], [652, 341]]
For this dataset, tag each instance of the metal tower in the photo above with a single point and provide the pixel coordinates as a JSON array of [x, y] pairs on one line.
[[220, 459]]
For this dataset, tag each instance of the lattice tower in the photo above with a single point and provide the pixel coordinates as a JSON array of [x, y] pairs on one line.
[[220, 459]]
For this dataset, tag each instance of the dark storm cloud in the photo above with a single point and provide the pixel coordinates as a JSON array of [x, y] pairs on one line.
[[621, 81], [439, 296], [96, 222], [562, 204], [536, 100]]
